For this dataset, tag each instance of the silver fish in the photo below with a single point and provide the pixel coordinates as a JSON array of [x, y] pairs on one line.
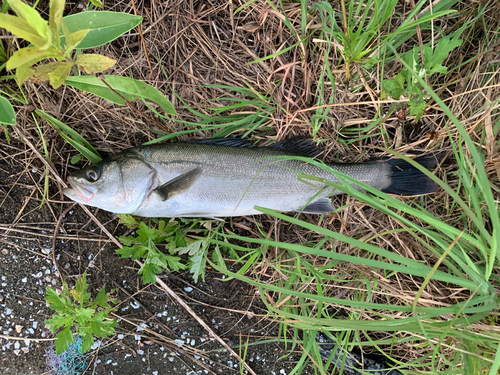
[[228, 177]]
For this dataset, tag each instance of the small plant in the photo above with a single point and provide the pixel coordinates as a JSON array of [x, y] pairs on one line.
[[357, 30], [405, 84], [173, 235], [49, 40], [75, 309]]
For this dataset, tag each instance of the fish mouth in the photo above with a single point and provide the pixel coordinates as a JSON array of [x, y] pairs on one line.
[[77, 192]]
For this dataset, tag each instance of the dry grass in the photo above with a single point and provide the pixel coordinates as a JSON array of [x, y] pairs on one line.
[[194, 44]]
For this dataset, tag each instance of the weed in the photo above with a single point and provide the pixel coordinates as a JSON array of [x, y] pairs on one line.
[[75, 309], [404, 84], [174, 236]]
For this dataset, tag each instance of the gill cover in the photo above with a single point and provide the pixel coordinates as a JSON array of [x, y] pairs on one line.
[[118, 184]]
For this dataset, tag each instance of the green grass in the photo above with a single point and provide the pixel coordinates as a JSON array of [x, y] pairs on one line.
[[461, 255]]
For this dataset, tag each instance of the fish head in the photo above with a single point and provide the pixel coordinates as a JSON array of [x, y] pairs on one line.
[[118, 185]]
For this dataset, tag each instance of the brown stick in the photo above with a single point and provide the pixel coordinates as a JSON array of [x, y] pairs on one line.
[[139, 28], [54, 239]]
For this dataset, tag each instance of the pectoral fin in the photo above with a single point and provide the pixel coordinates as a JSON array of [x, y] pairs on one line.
[[179, 184]]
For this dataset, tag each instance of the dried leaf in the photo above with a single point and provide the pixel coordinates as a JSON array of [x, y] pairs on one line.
[[23, 72], [433, 136], [41, 73], [94, 63], [59, 75]]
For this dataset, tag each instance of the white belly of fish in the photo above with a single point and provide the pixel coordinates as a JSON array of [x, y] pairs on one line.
[[213, 197]]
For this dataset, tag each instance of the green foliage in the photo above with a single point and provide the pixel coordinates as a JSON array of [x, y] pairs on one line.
[[129, 88], [7, 114], [74, 308], [72, 137], [96, 3], [46, 43], [405, 84], [3, 55], [197, 251], [103, 26], [358, 30], [173, 236], [144, 246]]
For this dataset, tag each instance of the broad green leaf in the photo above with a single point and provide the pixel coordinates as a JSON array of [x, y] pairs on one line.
[[56, 17], [31, 55], [23, 72], [435, 57], [198, 266], [7, 114], [127, 240], [83, 315], [21, 28], [63, 339], [73, 40], [146, 233], [59, 74], [191, 249], [135, 251], [73, 138], [104, 26], [148, 272], [75, 159], [33, 18], [131, 89], [94, 63], [102, 328], [174, 263], [59, 320]]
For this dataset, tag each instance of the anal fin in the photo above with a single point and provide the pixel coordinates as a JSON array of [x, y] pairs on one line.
[[319, 207]]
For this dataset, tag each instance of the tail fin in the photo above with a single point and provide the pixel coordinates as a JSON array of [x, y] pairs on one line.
[[408, 180]]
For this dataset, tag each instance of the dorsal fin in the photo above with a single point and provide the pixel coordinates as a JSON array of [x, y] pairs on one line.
[[298, 146], [228, 142]]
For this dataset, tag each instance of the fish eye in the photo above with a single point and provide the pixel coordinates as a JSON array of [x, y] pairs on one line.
[[93, 174]]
